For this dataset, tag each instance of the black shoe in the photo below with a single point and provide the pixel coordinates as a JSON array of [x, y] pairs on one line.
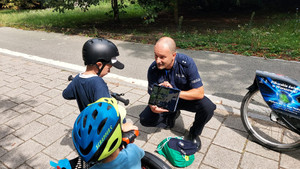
[[195, 139], [171, 120]]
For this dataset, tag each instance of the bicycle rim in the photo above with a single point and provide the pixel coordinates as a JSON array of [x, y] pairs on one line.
[[256, 117]]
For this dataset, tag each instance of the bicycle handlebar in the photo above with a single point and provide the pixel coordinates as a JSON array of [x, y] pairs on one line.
[[129, 137], [70, 78], [117, 96]]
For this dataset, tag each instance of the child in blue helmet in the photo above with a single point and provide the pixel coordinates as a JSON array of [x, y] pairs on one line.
[[97, 137]]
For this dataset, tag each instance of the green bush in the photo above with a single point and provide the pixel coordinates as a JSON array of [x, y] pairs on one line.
[[21, 4]]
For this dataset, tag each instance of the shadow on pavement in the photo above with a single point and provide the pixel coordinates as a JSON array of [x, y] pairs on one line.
[[67, 140]]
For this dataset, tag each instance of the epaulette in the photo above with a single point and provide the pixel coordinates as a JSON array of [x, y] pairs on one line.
[[153, 65], [182, 61]]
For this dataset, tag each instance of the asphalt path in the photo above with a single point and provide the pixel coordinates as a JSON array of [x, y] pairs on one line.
[[223, 75]]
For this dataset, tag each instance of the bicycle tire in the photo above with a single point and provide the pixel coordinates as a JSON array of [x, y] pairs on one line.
[[150, 161], [256, 118]]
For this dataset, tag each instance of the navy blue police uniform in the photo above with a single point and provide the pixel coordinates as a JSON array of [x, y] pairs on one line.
[[184, 76]]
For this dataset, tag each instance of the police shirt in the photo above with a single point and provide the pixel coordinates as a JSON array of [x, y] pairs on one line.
[[183, 75]]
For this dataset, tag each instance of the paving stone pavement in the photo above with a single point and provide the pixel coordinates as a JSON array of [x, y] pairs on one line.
[[36, 123]]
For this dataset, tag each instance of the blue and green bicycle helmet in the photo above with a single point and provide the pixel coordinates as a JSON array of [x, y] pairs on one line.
[[97, 131]]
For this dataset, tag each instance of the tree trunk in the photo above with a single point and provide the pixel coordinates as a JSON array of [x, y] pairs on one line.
[[175, 3], [114, 5]]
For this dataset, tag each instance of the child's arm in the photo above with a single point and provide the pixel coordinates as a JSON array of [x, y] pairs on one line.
[[68, 93], [128, 126]]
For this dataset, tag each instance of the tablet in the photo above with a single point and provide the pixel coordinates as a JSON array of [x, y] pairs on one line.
[[164, 97]]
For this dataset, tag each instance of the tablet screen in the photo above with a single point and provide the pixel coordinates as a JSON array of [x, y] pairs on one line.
[[164, 97]]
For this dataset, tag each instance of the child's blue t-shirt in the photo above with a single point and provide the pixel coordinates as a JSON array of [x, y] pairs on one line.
[[128, 158], [86, 90]]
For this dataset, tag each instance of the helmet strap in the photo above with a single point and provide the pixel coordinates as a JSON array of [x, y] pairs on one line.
[[100, 69]]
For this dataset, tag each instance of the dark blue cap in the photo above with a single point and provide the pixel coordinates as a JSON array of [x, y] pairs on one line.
[[185, 147]]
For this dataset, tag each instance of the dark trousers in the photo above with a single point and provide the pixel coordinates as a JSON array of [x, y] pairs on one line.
[[203, 108]]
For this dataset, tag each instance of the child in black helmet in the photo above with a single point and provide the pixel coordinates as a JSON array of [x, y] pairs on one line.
[[99, 55]]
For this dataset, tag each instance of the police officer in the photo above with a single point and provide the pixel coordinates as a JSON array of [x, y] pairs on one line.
[[177, 70]]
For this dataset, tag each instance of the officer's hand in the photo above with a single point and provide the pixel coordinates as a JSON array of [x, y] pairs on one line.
[[166, 84], [156, 109]]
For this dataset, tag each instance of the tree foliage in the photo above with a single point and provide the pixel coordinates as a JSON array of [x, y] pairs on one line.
[[152, 8], [21, 4], [62, 5]]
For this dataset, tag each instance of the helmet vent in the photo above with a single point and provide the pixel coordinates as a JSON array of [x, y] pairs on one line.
[[100, 104], [75, 139], [94, 115], [109, 107], [79, 133], [78, 119], [113, 144], [84, 121], [87, 150], [101, 125], [90, 129]]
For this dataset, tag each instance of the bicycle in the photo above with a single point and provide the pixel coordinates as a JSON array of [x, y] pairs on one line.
[[270, 111]]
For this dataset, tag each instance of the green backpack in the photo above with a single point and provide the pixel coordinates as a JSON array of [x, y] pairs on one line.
[[173, 156]]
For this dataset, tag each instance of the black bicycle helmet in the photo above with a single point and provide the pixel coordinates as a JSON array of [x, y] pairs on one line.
[[97, 131], [99, 49]]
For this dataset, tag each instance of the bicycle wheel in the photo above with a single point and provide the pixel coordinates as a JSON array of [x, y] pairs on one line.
[[263, 125], [150, 161]]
